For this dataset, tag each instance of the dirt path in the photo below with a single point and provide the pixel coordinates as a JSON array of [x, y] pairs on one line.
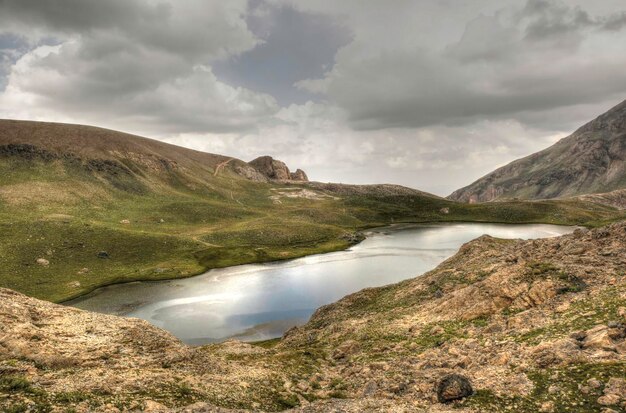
[[220, 166]]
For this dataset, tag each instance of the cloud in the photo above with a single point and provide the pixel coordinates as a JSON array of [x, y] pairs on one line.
[[319, 139], [295, 45], [431, 94], [133, 65], [192, 29], [541, 56]]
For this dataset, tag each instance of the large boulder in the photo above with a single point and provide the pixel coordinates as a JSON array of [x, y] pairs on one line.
[[299, 175], [277, 170], [453, 387]]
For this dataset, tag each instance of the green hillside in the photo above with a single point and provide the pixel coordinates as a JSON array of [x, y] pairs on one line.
[[83, 207]]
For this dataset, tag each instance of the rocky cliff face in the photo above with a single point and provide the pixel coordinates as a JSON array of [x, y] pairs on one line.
[[276, 170], [504, 325], [591, 160]]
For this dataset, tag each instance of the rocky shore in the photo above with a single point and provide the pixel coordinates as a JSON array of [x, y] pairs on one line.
[[524, 326]]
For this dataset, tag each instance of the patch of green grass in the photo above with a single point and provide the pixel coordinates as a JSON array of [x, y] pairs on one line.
[[542, 270], [272, 342], [288, 402], [568, 397], [71, 397], [582, 315], [13, 383]]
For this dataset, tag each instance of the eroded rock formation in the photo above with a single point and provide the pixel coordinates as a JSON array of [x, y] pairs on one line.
[[276, 170]]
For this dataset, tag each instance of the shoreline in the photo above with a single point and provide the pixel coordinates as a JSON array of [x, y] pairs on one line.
[[295, 257]]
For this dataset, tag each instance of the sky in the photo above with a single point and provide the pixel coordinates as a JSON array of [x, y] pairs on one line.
[[430, 94]]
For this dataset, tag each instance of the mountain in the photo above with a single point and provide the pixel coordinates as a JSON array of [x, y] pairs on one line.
[[503, 326], [591, 160], [82, 207]]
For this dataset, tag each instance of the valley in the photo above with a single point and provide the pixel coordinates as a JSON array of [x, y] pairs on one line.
[[83, 208], [69, 193]]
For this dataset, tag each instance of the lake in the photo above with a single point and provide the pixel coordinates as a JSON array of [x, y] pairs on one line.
[[261, 301]]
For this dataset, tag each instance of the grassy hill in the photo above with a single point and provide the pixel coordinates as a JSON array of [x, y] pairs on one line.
[[82, 207]]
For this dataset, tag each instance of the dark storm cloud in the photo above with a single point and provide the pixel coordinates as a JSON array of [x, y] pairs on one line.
[[295, 46], [12, 47]]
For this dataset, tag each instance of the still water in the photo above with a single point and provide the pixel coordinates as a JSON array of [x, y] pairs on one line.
[[261, 301]]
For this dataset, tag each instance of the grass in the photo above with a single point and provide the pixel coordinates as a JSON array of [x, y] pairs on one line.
[[568, 398], [581, 315], [168, 225]]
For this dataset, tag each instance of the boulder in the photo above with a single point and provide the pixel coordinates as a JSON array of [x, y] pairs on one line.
[[277, 170], [272, 168], [453, 387], [103, 255], [298, 175], [43, 262]]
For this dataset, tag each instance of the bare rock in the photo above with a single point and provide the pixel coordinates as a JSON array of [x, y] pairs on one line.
[[154, 407], [43, 262], [453, 387], [598, 338], [298, 175], [609, 400], [276, 170]]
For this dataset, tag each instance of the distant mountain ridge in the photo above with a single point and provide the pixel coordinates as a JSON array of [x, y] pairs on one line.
[[591, 160]]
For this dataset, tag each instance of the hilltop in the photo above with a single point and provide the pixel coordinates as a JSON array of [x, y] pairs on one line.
[[589, 161], [533, 326], [82, 207]]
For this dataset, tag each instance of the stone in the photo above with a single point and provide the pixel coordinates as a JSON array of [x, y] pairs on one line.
[[598, 338], [453, 387], [152, 406], [609, 400], [616, 386], [298, 175], [103, 255], [370, 388], [594, 383], [43, 262], [125, 222], [546, 407], [277, 170]]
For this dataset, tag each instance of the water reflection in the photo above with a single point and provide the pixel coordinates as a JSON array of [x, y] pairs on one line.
[[259, 301]]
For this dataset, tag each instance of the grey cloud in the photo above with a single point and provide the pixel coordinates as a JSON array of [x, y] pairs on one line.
[[614, 22], [431, 94], [193, 28], [514, 61], [295, 45], [135, 61]]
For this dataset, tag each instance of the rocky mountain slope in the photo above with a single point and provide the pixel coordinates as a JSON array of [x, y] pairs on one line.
[[504, 325], [591, 160], [82, 207]]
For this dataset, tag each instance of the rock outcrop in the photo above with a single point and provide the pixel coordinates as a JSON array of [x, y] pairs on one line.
[[298, 175], [591, 160], [276, 170]]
